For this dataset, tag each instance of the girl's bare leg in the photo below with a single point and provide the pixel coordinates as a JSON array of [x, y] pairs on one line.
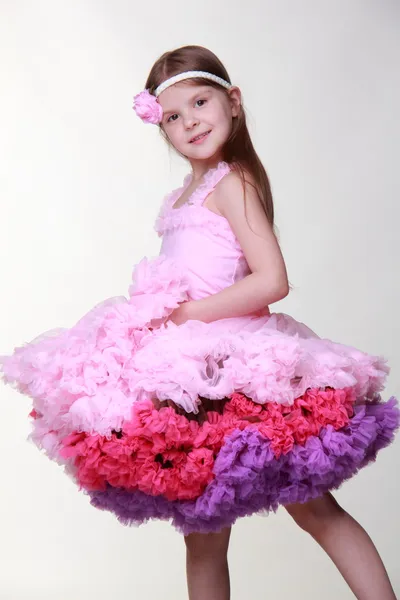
[[347, 544], [207, 565]]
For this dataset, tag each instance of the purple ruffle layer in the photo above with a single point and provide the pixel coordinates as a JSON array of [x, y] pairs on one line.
[[249, 478]]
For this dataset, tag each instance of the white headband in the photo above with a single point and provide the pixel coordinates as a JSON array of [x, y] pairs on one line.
[[190, 75], [148, 108]]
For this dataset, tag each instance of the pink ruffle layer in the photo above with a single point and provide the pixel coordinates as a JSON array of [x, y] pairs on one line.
[[88, 377], [77, 377]]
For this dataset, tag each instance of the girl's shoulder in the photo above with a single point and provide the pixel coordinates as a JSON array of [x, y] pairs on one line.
[[237, 188]]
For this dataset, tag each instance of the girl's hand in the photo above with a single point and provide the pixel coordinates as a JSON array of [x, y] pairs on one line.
[[182, 314]]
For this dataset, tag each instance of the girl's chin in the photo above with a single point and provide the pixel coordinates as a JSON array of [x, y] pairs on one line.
[[204, 154]]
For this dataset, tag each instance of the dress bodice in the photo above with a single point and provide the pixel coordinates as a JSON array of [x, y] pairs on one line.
[[200, 239]]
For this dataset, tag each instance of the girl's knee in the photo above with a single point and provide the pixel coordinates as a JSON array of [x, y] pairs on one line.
[[208, 545], [316, 515]]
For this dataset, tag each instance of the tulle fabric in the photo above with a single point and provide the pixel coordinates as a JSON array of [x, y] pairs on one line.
[[86, 378], [252, 355], [78, 378], [249, 478], [163, 453], [303, 415]]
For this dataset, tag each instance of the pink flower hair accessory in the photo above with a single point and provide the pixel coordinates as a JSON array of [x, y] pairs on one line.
[[147, 107]]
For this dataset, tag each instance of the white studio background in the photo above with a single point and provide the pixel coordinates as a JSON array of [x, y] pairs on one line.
[[81, 183]]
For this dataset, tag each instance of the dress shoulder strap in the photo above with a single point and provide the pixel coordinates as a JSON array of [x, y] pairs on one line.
[[167, 204], [210, 181]]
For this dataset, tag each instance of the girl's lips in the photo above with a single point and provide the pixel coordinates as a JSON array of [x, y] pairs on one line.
[[200, 139]]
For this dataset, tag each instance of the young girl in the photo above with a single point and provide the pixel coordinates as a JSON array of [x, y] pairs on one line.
[[191, 401]]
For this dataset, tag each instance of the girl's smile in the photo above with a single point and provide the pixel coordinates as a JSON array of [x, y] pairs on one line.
[[199, 139]]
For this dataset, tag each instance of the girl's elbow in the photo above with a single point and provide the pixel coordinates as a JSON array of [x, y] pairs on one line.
[[278, 290], [281, 291]]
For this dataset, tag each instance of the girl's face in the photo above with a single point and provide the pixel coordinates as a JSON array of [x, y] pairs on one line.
[[198, 118]]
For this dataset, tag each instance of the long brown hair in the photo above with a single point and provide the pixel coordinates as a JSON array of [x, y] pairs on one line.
[[238, 150]]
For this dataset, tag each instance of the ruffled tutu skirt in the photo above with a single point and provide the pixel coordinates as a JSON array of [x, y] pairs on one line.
[[292, 415]]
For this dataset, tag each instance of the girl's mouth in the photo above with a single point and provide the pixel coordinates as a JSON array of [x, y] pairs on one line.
[[200, 138]]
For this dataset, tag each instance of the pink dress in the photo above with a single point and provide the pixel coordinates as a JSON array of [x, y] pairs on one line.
[[298, 414]]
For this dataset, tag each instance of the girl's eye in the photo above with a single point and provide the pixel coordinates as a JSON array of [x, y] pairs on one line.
[[172, 118], [200, 102]]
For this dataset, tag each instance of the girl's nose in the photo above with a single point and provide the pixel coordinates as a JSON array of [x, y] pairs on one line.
[[190, 122]]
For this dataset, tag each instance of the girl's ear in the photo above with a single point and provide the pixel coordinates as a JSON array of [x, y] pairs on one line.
[[235, 98]]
